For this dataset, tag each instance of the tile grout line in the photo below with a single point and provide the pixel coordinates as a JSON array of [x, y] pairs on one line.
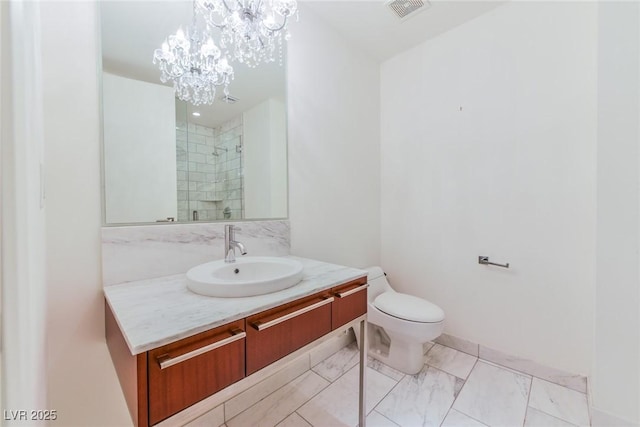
[[430, 348], [559, 385], [382, 373], [446, 372], [300, 415], [329, 381], [456, 398], [309, 370], [343, 374], [506, 368], [386, 418], [464, 380], [309, 399], [526, 411], [554, 417], [385, 396], [274, 391]]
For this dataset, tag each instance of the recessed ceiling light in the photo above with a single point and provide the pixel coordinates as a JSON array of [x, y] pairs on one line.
[[229, 99], [195, 113]]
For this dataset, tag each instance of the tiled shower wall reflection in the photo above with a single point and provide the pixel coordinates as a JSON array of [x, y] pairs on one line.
[[209, 165]]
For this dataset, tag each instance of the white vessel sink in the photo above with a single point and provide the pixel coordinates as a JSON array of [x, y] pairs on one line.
[[248, 276]]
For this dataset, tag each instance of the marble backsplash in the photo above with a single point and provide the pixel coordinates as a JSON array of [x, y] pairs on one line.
[[144, 252]]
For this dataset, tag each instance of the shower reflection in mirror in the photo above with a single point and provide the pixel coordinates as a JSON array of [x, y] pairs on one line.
[[209, 164]]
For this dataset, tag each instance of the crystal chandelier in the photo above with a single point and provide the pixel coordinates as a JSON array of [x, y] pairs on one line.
[[194, 63], [250, 29]]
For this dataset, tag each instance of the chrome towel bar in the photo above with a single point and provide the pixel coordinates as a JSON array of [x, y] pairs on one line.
[[485, 261]]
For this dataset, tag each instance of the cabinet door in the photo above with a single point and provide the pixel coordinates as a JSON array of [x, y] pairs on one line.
[[187, 371], [275, 333], [350, 302]]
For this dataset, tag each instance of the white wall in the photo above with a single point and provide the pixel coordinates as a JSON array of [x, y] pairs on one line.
[[278, 158], [22, 214], [616, 374], [528, 96], [82, 387], [139, 150], [265, 160], [488, 148], [334, 161]]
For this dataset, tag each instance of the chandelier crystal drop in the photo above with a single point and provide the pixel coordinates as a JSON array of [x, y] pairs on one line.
[[195, 64], [251, 30]]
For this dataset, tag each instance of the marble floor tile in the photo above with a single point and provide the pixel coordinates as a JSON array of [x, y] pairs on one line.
[[281, 403], [452, 361], [384, 369], [458, 419], [251, 396], [337, 405], [213, 418], [294, 420], [331, 346], [537, 418], [334, 366], [422, 399], [560, 402], [376, 419], [494, 396]]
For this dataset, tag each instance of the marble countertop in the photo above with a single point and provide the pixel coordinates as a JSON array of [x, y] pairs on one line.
[[159, 311]]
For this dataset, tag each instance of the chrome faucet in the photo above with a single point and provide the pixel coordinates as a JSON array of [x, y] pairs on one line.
[[230, 244]]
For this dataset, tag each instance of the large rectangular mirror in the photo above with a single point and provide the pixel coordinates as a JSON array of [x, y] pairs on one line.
[[167, 160]]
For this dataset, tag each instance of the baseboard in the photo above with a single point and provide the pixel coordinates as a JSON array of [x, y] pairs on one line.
[[459, 344], [601, 418]]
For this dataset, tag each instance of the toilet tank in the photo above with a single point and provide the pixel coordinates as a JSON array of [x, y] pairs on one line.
[[377, 282]]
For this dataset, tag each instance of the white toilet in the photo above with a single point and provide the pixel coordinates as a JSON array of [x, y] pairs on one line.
[[399, 324]]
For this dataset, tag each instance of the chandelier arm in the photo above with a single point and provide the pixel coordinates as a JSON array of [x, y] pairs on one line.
[[284, 24], [208, 16], [215, 24]]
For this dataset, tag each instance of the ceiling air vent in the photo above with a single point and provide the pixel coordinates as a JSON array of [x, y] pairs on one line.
[[229, 99], [403, 9]]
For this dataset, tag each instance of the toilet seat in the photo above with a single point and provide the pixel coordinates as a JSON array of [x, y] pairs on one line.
[[408, 307]]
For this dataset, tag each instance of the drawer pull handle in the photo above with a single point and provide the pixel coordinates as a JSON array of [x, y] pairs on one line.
[[166, 361], [262, 326], [352, 291]]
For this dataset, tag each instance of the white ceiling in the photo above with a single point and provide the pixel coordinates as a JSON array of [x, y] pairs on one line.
[[375, 29], [132, 30]]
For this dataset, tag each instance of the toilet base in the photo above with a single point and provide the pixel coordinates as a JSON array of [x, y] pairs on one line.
[[402, 354]]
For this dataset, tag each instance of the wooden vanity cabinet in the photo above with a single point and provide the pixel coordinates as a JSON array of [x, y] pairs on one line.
[[350, 302], [162, 382], [275, 333], [189, 370]]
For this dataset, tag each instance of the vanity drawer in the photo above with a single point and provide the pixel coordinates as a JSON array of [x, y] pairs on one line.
[[350, 302], [187, 371], [275, 333]]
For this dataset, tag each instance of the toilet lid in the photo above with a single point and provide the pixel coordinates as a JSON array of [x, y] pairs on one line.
[[408, 307]]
